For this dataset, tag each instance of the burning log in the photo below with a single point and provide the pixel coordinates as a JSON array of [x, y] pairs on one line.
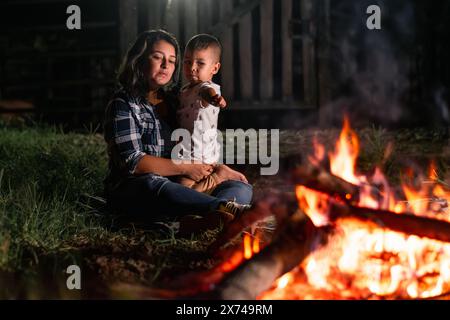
[[320, 179], [279, 205], [405, 222], [288, 250]]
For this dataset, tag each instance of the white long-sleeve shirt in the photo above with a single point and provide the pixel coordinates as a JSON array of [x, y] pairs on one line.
[[201, 122]]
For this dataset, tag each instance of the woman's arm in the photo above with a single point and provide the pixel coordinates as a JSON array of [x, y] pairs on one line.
[[123, 134], [166, 167]]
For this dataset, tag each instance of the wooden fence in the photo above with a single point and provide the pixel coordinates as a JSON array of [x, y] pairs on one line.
[[271, 58], [270, 46]]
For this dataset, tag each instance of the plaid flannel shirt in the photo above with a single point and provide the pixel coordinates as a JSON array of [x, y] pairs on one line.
[[131, 130]]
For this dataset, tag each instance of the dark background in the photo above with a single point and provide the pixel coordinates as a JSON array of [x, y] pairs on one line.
[[397, 77]]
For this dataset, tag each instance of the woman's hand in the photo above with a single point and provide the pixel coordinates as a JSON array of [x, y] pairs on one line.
[[225, 173], [197, 171]]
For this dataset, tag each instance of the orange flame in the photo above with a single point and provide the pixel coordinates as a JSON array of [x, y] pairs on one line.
[[255, 247], [247, 246], [251, 246], [361, 259], [234, 261], [418, 200], [343, 160], [314, 204], [432, 171]]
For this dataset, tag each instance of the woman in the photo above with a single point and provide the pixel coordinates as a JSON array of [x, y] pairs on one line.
[[138, 124]]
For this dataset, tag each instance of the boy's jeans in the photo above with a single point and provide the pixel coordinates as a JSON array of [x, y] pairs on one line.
[[153, 196]]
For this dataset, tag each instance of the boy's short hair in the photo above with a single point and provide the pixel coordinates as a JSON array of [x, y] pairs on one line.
[[204, 41]]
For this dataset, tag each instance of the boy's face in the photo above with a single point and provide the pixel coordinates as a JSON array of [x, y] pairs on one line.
[[200, 65]]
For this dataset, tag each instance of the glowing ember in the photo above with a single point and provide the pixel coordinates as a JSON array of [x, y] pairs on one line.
[[251, 246], [284, 281], [373, 262], [235, 260], [255, 247]]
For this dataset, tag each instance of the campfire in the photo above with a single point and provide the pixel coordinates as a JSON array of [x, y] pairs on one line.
[[350, 236]]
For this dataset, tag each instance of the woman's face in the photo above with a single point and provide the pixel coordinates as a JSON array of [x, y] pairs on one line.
[[162, 60]]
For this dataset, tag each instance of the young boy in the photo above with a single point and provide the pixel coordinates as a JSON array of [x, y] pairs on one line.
[[200, 102]]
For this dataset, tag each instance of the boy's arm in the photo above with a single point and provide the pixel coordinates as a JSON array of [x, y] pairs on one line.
[[209, 96]]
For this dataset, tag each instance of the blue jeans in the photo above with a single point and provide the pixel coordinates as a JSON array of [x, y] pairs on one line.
[[152, 196]]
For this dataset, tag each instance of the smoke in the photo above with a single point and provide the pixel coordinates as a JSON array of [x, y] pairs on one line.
[[372, 69], [442, 114]]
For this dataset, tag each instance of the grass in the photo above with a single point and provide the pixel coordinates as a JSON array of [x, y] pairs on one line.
[[51, 216], [48, 184]]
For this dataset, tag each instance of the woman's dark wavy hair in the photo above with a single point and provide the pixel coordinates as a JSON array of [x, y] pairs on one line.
[[133, 72]]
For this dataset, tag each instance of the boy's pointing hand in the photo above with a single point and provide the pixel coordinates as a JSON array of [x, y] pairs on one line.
[[218, 101], [211, 97]]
